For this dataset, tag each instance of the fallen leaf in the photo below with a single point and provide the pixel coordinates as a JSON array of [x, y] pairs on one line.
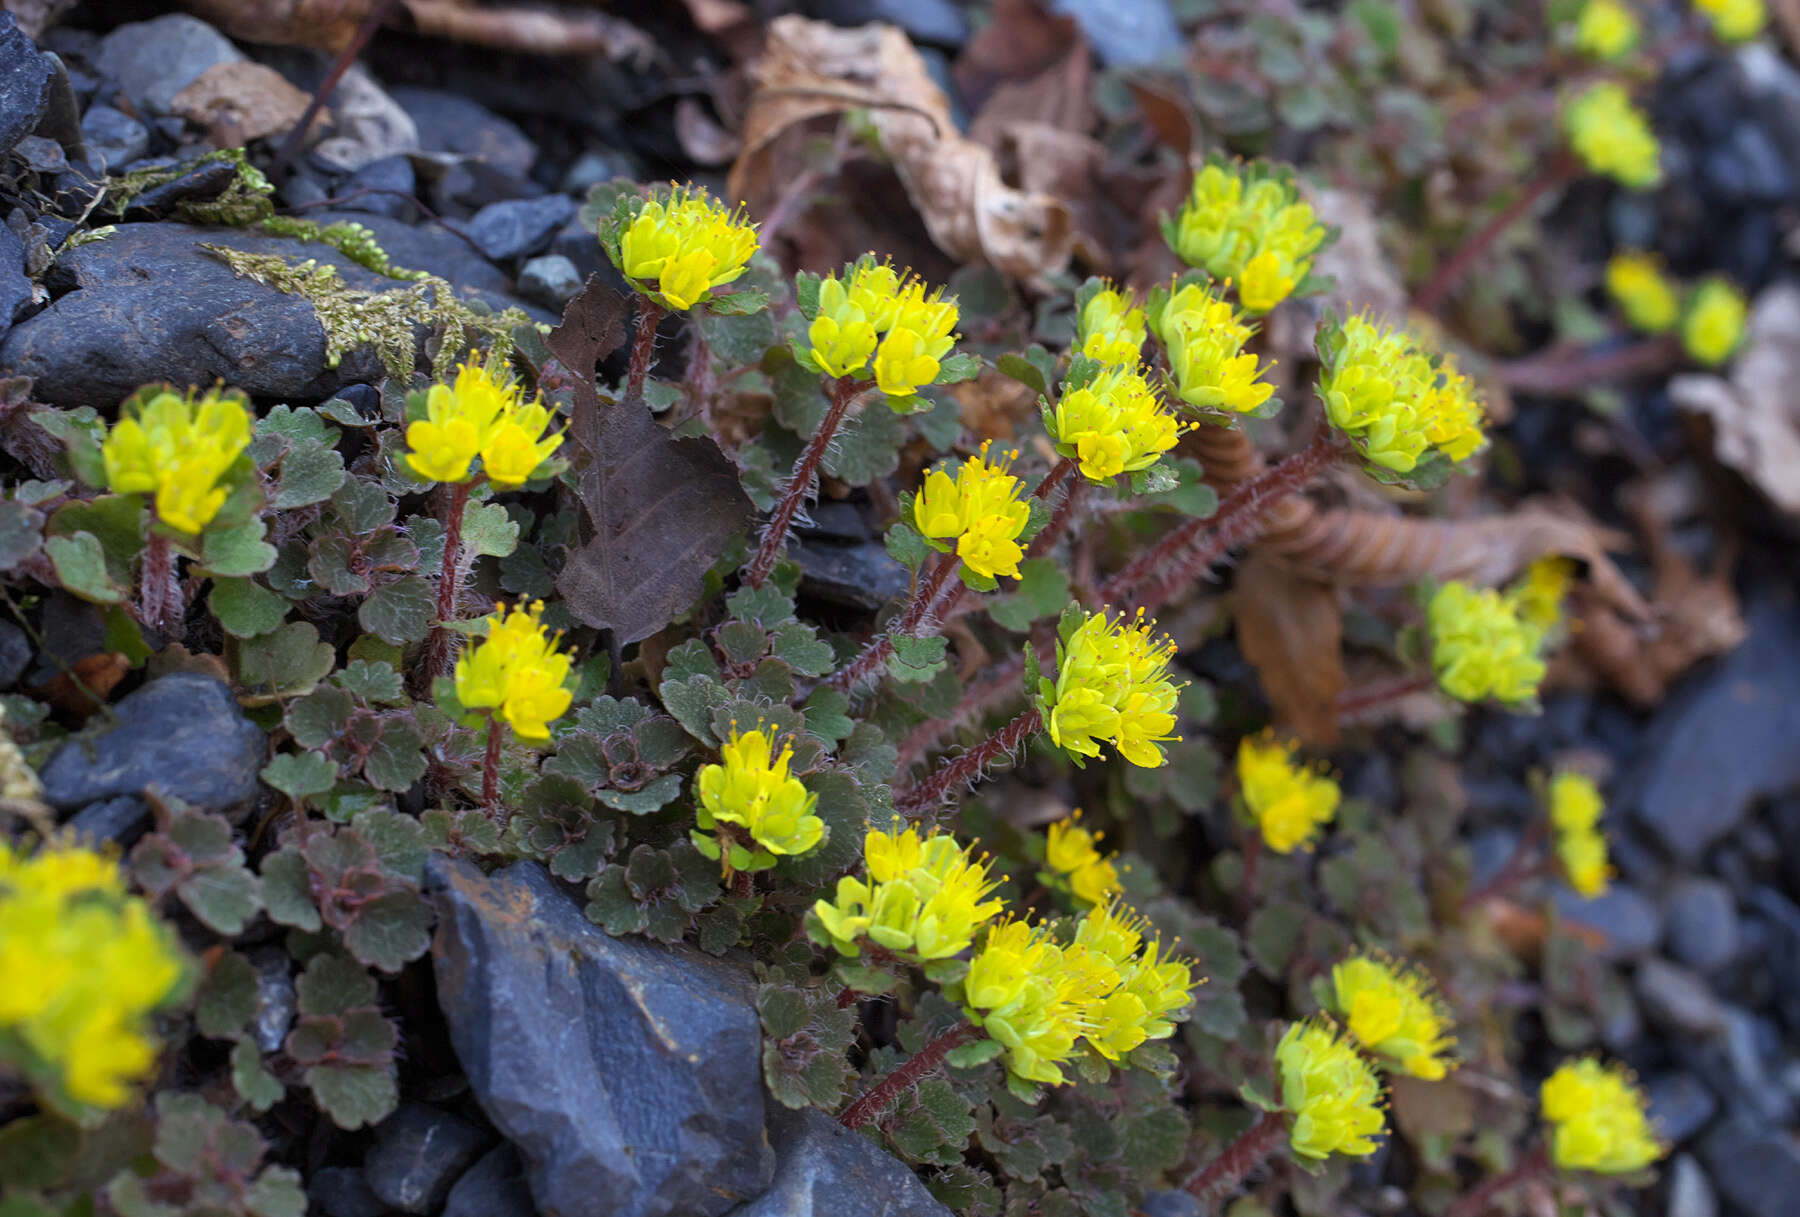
[[326, 25], [1291, 630], [810, 69], [1423, 1109], [701, 138], [659, 510], [1060, 96], [240, 101], [1020, 40], [330, 25]]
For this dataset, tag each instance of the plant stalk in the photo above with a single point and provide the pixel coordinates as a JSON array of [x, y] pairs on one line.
[[1515, 871], [1354, 702], [843, 392], [643, 347], [916, 616], [159, 564], [490, 769], [441, 643], [1249, 1150], [1061, 520], [1555, 374], [959, 771], [1475, 1202], [920, 1065], [1562, 168]]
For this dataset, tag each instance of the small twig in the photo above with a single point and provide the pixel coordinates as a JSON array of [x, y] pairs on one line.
[[920, 1065], [1475, 1202], [843, 392], [1562, 168], [290, 147], [1250, 1149], [959, 771], [1064, 515]]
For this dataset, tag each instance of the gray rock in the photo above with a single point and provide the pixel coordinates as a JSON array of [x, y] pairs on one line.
[[276, 999], [1727, 740], [1675, 999], [825, 1170], [1751, 1046], [627, 1075], [341, 1191], [15, 288], [550, 280], [931, 21], [1170, 1204], [418, 1153], [1690, 1191], [858, 576], [1781, 920], [1126, 33], [114, 138], [182, 734], [368, 124], [15, 654], [393, 178], [1703, 924], [156, 59], [581, 247], [493, 1187], [450, 122], [518, 227], [25, 75], [1756, 1167], [593, 167], [1747, 167], [1631, 924], [1680, 1105], [121, 820]]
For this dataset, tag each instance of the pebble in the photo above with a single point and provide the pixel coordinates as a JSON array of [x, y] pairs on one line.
[[25, 75], [1756, 1167], [114, 138], [1703, 924], [276, 998], [493, 1187], [156, 59], [450, 122], [937, 22], [15, 289], [1690, 1191], [856, 576], [1170, 1204], [1680, 1105], [368, 124], [182, 734], [1677, 1000], [518, 227], [1126, 33], [825, 1170], [1779, 921], [122, 820], [341, 1191], [15, 653], [393, 177], [1631, 924], [593, 167], [418, 1153], [550, 280]]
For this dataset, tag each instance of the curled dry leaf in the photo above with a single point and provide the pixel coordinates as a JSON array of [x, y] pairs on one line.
[[1291, 629], [240, 101], [1755, 414], [810, 69]]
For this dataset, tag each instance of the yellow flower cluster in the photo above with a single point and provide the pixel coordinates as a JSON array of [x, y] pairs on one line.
[[516, 672], [84, 963], [1112, 684], [1110, 328], [1290, 802], [481, 414], [179, 450], [1712, 329], [753, 790], [1575, 811], [1037, 997], [1113, 424], [1598, 1119], [980, 509], [1385, 392], [1481, 647], [923, 897], [1538, 594], [687, 245], [1072, 856], [1330, 1090], [916, 329], [1393, 1013], [1612, 136], [1734, 20], [1205, 338], [1606, 29], [1643, 293], [1248, 225]]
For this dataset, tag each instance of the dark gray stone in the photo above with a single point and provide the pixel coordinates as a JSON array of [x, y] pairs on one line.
[[276, 999], [25, 75], [593, 167], [15, 288], [450, 122], [1756, 1167], [1747, 167], [114, 138], [341, 1191], [1779, 920], [581, 247], [418, 1153], [182, 734], [1675, 999], [493, 1187], [858, 576], [1170, 1204], [627, 1075], [550, 280], [1690, 1191], [1703, 924], [1631, 924], [825, 1170], [122, 820], [42, 154], [1727, 740], [15, 654], [393, 178], [156, 59], [1752, 1045], [1680, 1105], [518, 227], [1126, 33], [932, 21]]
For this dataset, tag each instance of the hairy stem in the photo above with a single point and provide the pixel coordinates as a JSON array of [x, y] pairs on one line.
[[921, 1064], [439, 646], [917, 615], [843, 392], [1249, 1150], [1060, 520], [959, 771], [1475, 1202], [490, 769], [1555, 373], [1352, 703], [643, 347], [1562, 168], [153, 592]]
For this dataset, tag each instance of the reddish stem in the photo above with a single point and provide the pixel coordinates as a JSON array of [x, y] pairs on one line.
[[920, 1065], [843, 392], [1060, 522], [442, 642], [1053, 479], [490, 769], [290, 147], [1474, 1203], [1360, 700], [916, 616], [159, 564], [1562, 168], [1552, 373], [1516, 870], [1250, 1149], [959, 771], [643, 347]]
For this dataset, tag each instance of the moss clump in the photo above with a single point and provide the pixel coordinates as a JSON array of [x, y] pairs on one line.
[[349, 238]]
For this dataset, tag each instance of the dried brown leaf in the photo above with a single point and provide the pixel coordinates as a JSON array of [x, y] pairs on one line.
[[703, 139], [1022, 38], [1291, 630], [240, 101], [1425, 1109], [326, 25], [330, 25]]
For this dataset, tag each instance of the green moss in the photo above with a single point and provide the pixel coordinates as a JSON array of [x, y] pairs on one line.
[[349, 238], [245, 201]]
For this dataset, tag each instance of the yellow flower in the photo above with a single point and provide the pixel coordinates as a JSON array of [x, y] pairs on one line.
[[1643, 293], [1539, 593], [1113, 424], [1598, 1119], [1481, 647], [1023, 992], [1575, 811], [1288, 801], [85, 964], [1392, 399], [1208, 365], [1612, 136], [1393, 1013], [753, 789], [518, 446], [1072, 858], [1332, 1094], [980, 509], [516, 672], [1112, 684], [880, 314], [1247, 224], [687, 245], [1713, 327], [1110, 328], [178, 450], [923, 897], [480, 414], [1606, 29], [1734, 20]]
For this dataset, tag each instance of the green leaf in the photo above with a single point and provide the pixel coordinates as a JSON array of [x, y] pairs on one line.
[[276, 1192], [488, 530], [828, 714], [81, 568], [801, 648], [967, 1056], [354, 1095], [226, 1000], [741, 642], [916, 659], [653, 796], [390, 931], [737, 340], [867, 447], [398, 841], [693, 702], [740, 304], [286, 662], [21, 532], [237, 549], [691, 658], [374, 681], [906, 546], [223, 897], [961, 366], [362, 506], [287, 891], [332, 984], [301, 775], [311, 472], [319, 717], [396, 758], [245, 608], [933, 1123], [259, 1088], [1273, 933], [1043, 589], [399, 612]]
